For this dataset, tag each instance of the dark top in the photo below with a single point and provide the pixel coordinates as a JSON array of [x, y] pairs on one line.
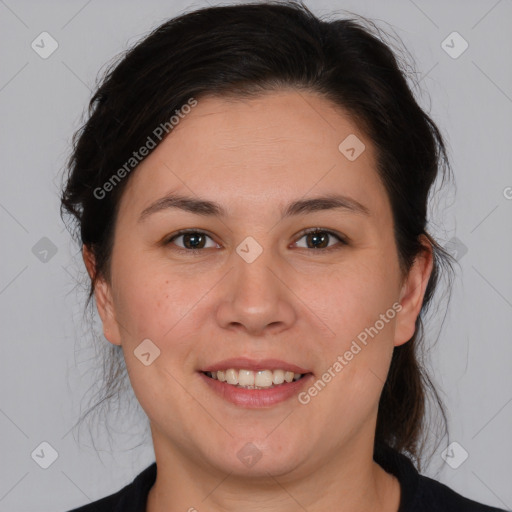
[[418, 493]]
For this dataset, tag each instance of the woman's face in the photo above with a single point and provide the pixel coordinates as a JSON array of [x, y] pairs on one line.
[[258, 288]]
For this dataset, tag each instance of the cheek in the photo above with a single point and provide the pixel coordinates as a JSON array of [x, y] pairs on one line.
[[143, 309], [152, 297], [359, 310], [152, 304], [355, 297], [356, 358]]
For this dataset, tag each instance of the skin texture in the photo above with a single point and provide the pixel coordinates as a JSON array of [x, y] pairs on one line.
[[295, 302]]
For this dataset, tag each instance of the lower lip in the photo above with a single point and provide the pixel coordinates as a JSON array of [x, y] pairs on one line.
[[256, 398]]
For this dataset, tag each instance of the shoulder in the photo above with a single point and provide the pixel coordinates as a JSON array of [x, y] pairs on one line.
[[103, 505], [435, 496], [131, 498], [420, 493]]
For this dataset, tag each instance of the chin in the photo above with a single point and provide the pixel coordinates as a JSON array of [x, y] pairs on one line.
[[261, 457]]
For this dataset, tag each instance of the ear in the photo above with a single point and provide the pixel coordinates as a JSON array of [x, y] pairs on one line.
[[103, 297], [412, 293]]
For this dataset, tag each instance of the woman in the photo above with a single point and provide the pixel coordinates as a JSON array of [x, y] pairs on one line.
[[251, 193]]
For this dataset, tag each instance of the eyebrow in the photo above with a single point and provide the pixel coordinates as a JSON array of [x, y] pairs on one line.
[[211, 208]]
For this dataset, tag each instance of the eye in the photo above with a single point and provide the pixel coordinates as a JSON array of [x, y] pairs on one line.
[[319, 238], [193, 240]]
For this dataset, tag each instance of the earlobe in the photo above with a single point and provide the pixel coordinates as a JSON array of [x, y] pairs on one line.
[[412, 294], [103, 297]]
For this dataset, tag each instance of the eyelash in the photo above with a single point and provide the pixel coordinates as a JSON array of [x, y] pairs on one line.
[[341, 239]]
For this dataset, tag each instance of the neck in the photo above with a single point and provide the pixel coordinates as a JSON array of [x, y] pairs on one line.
[[355, 484]]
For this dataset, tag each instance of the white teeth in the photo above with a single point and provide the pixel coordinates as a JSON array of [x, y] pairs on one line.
[[231, 376], [254, 380], [278, 377], [245, 378], [263, 379]]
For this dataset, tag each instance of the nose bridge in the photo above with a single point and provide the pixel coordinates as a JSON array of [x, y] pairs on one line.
[[257, 297], [255, 275]]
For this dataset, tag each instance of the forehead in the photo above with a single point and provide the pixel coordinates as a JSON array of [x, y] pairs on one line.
[[271, 148]]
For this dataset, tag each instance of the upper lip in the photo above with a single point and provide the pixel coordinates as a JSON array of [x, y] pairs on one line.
[[243, 363]]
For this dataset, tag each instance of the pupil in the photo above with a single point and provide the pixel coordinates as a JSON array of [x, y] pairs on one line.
[[316, 237], [193, 236]]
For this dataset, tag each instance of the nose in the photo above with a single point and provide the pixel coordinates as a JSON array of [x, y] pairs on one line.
[[256, 297]]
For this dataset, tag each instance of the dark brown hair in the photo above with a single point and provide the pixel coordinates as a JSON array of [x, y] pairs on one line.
[[242, 51]]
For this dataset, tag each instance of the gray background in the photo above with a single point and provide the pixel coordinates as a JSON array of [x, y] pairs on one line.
[[45, 368]]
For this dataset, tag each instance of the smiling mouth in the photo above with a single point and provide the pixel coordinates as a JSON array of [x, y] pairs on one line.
[[248, 379]]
